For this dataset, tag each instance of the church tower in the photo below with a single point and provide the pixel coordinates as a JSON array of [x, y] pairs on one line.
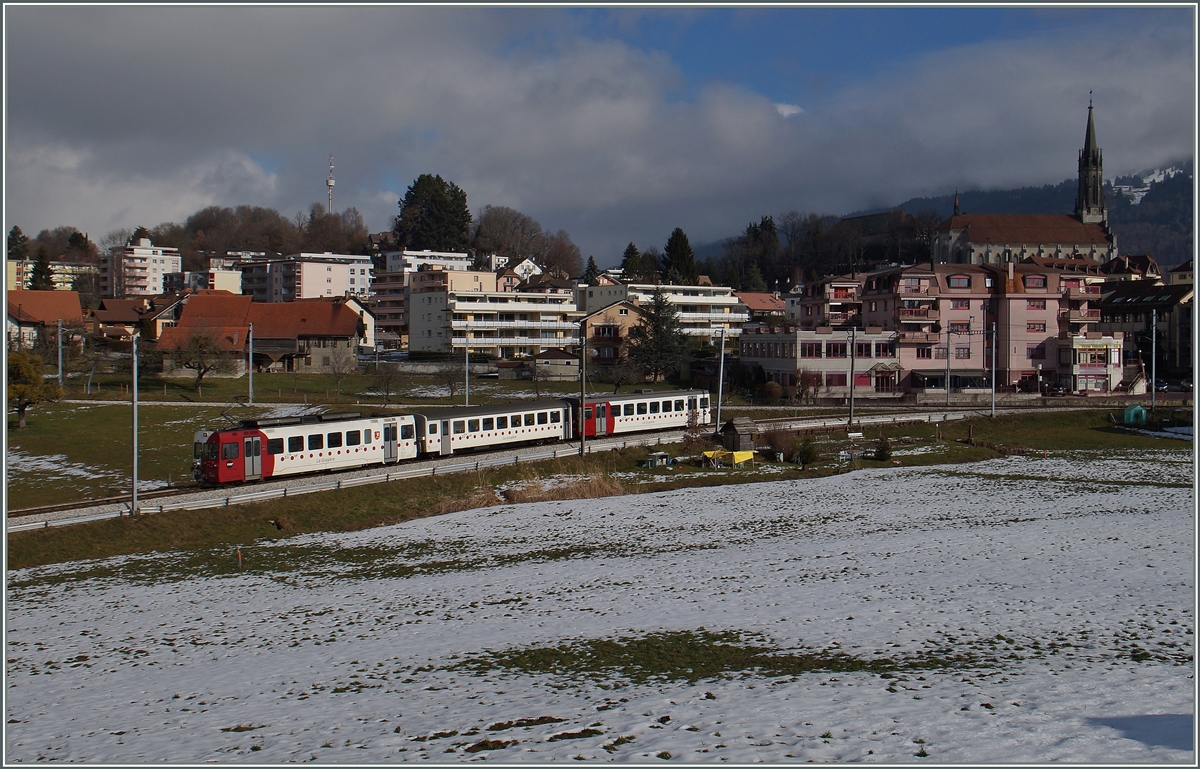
[[1089, 203]]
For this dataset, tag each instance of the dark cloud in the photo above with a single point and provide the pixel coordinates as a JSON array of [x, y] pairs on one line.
[[125, 115]]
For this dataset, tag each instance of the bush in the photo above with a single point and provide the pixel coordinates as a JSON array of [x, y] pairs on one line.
[[805, 451], [773, 391], [883, 449]]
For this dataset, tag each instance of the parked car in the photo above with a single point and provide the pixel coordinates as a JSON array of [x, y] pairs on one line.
[[1160, 385], [1186, 385], [1054, 389]]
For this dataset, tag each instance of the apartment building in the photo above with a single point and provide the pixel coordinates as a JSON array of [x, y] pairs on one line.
[[215, 278], [502, 324], [703, 310], [412, 261], [306, 276], [139, 270], [19, 274]]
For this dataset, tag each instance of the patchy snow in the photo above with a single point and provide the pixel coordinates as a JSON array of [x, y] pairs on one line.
[[1069, 579]]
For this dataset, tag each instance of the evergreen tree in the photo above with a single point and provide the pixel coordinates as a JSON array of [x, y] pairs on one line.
[[754, 280], [679, 261], [434, 216], [591, 275], [631, 262], [26, 386], [43, 276], [657, 345], [18, 245]]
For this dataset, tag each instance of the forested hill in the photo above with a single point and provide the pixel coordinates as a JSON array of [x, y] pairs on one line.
[[1160, 225]]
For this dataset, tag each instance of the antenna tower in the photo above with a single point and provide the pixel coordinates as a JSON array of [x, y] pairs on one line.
[[329, 184]]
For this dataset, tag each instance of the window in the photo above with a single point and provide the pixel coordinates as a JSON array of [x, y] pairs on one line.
[[472, 425], [666, 406], [1035, 281], [641, 408], [679, 405], [295, 443], [835, 349], [959, 281], [960, 304], [704, 403], [489, 424], [275, 445], [925, 351], [554, 416], [353, 438], [515, 421], [1039, 328], [334, 440], [316, 441], [960, 328], [543, 418], [862, 350], [623, 312], [530, 420], [406, 432], [628, 410], [459, 426], [653, 407], [872, 306], [940, 352], [962, 352], [501, 423], [1036, 352], [885, 350], [433, 428], [835, 379], [1035, 304]]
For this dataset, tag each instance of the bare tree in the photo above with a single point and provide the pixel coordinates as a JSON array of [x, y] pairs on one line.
[[343, 361], [203, 353], [387, 376], [619, 375], [451, 372], [807, 383]]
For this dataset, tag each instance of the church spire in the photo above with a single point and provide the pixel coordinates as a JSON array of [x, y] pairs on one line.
[[957, 207], [1089, 203]]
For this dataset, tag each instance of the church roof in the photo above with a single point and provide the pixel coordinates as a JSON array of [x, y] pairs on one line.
[[1027, 228]]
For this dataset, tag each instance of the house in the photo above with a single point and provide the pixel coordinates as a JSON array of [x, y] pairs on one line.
[[501, 324], [703, 310], [32, 315], [1131, 267], [764, 308], [608, 334], [1182, 273], [556, 365], [1144, 309], [119, 319]]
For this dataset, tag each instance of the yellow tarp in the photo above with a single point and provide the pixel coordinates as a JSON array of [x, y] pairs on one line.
[[733, 457]]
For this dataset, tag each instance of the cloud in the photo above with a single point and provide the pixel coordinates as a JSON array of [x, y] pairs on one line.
[[146, 115]]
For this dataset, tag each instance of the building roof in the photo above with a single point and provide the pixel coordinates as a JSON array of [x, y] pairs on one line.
[[1132, 264], [44, 306], [1185, 267], [228, 316], [761, 301], [133, 311], [555, 354], [1067, 264], [1026, 228], [1144, 295]]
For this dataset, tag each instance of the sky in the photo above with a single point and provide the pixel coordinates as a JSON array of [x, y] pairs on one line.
[[341, 648], [614, 124]]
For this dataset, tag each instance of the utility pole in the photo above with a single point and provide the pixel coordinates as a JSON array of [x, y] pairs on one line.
[[250, 367], [993, 369], [466, 373], [947, 364], [720, 379], [133, 502], [582, 382], [1153, 356], [61, 383], [852, 344]]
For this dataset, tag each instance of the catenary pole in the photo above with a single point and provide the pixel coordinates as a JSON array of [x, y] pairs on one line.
[[993, 369], [853, 339], [1153, 357], [582, 382], [466, 372], [61, 382], [250, 368], [720, 379], [133, 501]]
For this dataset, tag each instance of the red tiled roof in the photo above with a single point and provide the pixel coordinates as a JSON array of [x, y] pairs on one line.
[[760, 302], [231, 338], [316, 317], [44, 306], [1026, 228]]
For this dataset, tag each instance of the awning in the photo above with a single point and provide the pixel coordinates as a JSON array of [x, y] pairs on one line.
[[893, 366], [927, 373], [966, 372]]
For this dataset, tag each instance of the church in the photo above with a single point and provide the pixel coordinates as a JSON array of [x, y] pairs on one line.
[[1083, 237]]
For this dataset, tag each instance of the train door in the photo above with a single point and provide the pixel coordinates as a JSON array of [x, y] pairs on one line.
[[253, 454], [447, 448], [601, 419], [390, 451]]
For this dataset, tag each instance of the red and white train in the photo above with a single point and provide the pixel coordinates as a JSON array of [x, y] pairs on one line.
[[282, 446]]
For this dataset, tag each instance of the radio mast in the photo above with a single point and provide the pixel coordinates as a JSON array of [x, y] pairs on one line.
[[329, 184]]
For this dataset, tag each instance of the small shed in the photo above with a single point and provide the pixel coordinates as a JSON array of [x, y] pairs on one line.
[[738, 434], [1135, 415], [657, 459]]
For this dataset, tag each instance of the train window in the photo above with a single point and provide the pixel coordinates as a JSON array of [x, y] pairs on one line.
[[275, 445], [601, 410], [210, 451], [367, 435], [433, 428], [229, 451], [460, 427], [554, 415], [197, 451], [515, 421], [530, 419], [587, 413], [628, 409], [501, 423], [296, 443], [653, 407], [489, 424], [543, 418], [406, 432], [472, 425], [316, 441], [353, 437], [679, 405], [666, 406], [641, 408], [704, 403], [335, 440]]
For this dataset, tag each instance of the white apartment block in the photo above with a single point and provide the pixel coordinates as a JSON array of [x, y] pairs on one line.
[[19, 274], [411, 261], [502, 324], [211, 279], [703, 310], [139, 270], [307, 276]]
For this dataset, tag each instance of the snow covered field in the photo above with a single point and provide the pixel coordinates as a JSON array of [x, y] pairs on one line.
[[1025, 609]]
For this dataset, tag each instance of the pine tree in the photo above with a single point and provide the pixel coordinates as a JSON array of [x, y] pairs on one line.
[[679, 261], [631, 263], [43, 276], [657, 345], [434, 216], [591, 275], [18, 245]]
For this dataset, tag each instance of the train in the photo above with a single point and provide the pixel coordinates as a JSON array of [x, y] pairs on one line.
[[275, 447]]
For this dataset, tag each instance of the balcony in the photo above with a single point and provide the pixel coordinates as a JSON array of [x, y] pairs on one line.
[[1082, 292], [1083, 316], [917, 314], [909, 337], [919, 290], [484, 325], [509, 341], [842, 293], [724, 317]]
